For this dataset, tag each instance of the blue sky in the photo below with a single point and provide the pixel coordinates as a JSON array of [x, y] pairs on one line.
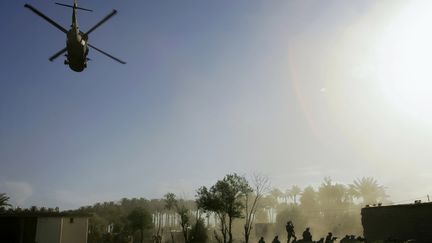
[[210, 87]]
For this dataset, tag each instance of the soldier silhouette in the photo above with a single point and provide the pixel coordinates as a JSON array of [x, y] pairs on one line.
[[290, 231], [346, 239], [261, 240], [329, 238], [307, 236], [276, 239]]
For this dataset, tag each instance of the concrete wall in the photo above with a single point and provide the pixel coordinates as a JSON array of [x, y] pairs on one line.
[[74, 230], [402, 222], [18, 230], [48, 230]]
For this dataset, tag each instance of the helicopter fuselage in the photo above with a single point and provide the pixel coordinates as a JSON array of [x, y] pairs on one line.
[[76, 45], [77, 50]]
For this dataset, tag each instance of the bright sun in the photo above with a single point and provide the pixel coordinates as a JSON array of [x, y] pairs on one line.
[[404, 65]]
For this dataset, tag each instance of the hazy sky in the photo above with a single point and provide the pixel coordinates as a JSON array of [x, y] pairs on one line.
[[297, 90]]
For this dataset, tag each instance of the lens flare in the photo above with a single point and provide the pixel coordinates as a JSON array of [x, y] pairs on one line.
[[404, 66]]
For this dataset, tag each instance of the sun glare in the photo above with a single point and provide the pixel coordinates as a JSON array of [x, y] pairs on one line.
[[404, 56]]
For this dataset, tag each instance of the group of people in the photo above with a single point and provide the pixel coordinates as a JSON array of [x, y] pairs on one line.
[[307, 237]]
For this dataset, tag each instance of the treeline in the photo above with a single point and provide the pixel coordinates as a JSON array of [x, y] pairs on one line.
[[156, 220], [235, 209]]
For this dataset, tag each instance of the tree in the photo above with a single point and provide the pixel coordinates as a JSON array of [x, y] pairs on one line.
[[331, 195], [261, 186], [4, 200], [97, 228], [309, 204], [369, 190], [180, 208], [157, 209], [272, 203], [225, 199], [275, 194], [293, 192], [170, 204], [334, 204], [184, 220], [139, 219], [198, 232]]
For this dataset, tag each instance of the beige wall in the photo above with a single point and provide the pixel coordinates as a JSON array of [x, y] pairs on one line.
[[74, 232], [48, 230]]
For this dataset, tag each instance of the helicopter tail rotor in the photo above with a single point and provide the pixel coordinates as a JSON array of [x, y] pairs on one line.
[[74, 7]]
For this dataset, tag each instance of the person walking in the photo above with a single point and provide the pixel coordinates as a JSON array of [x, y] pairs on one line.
[[290, 231]]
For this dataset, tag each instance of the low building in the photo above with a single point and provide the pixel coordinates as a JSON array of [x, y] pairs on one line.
[[398, 222], [43, 227]]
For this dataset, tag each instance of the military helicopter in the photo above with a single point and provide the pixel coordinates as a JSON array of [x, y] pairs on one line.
[[77, 45]]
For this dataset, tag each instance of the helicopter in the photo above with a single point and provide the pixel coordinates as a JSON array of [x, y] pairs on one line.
[[77, 45]]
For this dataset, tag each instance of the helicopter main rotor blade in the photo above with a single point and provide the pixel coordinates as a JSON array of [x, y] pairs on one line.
[[46, 18], [106, 54], [58, 54], [110, 15]]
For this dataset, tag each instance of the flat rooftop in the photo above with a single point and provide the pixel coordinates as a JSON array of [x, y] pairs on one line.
[[408, 205], [26, 214]]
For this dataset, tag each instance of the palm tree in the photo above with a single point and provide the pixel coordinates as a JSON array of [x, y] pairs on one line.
[[139, 220], [309, 199], [275, 194], [4, 200], [369, 190], [293, 192], [331, 194], [170, 204], [273, 202]]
